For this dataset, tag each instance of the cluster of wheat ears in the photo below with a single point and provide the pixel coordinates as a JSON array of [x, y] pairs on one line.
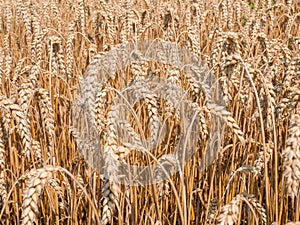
[[252, 48]]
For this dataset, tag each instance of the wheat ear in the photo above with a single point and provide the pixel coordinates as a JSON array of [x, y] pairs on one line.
[[36, 180], [7, 106], [110, 190], [226, 116], [47, 114], [230, 213], [291, 157], [3, 191]]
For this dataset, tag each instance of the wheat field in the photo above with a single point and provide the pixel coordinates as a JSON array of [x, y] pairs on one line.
[[251, 48]]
